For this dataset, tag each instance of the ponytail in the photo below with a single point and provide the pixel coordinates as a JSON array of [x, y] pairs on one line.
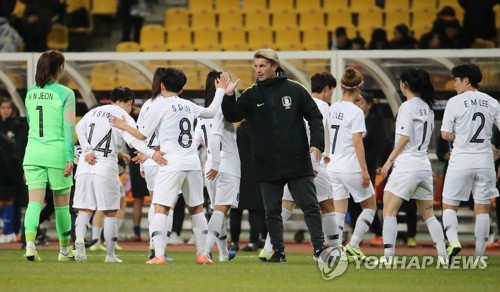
[[210, 87], [419, 82], [156, 85], [48, 66]]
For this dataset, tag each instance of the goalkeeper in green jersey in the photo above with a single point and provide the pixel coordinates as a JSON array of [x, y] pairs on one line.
[[50, 109]]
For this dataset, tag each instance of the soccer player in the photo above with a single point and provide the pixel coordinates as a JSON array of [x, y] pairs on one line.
[[222, 171], [411, 176], [467, 122], [149, 167], [97, 182], [347, 169], [173, 121], [322, 86], [50, 109]]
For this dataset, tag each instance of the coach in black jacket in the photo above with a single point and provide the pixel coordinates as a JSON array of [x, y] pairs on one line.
[[276, 108]]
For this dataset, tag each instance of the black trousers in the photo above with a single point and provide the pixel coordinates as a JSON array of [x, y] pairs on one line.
[[304, 194], [256, 219]]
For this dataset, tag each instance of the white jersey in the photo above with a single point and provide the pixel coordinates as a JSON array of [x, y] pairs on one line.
[[415, 120], [97, 135], [470, 116], [153, 140], [173, 118], [344, 120], [220, 138], [323, 108]]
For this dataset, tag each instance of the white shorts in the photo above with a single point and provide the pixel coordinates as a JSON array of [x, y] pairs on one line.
[[416, 185], [169, 184], [96, 192], [323, 186], [344, 184], [224, 190], [458, 184], [150, 176]]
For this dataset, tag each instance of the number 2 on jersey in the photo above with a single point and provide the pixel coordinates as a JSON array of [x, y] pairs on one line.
[[474, 138], [336, 128], [106, 139]]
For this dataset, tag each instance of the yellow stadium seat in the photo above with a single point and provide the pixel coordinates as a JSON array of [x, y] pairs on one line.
[[424, 5], [201, 20], [401, 5], [152, 38], [128, 77], [233, 40], [334, 5], [254, 6], [176, 18], [104, 6], [260, 38], [284, 19], [393, 18], [227, 5], [335, 19], [422, 18], [200, 6], [308, 6], [103, 76], [483, 44], [58, 37], [230, 19], [371, 19], [310, 19], [73, 5], [288, 40], [19, 9], [315, 39], [497, 14], [206, 40], [365, 33], [128, 47], [179, 40], [358, 5], [281, 5], [418, 31], [257, 19]]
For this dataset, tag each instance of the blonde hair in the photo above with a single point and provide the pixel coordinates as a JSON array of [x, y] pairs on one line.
[[268, 54]]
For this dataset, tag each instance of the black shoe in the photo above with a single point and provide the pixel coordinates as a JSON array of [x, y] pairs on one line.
[[278, 257], [251, 247], [91, 242], [234, 246], [320, 255], [261, 243]]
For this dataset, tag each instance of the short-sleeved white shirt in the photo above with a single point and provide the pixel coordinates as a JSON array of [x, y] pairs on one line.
[[344, 120], [173, 120], [229, 156], [415, 120], [147, 109], [96, 134], [470, 116]]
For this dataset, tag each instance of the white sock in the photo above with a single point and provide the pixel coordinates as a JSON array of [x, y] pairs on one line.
[[214, 227], [159, 233], [170, 221], [110, 234], [363, 223], [340, 221], [222, 241], [389, 234], [450, 223], [285, 215], [481, 230], [330, 228], [81, 224], [96, 233], [200, 230], [151, 215], [119, 223], [437, 235]]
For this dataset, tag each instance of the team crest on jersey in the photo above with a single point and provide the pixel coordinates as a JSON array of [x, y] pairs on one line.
[[287, 102]]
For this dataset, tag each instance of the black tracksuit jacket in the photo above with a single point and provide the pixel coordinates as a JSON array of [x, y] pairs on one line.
[[276, 109]]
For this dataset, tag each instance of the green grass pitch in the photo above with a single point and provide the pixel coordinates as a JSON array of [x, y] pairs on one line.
[[245, 273]]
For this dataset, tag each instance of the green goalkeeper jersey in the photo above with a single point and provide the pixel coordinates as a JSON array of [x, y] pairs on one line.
[[51, 117]]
